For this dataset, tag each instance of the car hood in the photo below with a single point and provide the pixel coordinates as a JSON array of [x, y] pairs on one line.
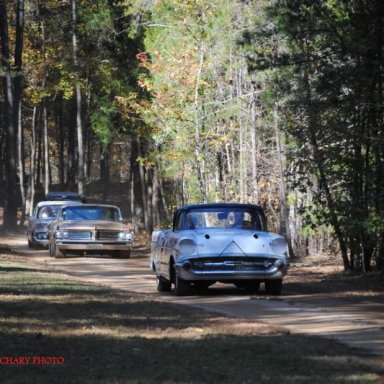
[[233, 242], [93, 225]]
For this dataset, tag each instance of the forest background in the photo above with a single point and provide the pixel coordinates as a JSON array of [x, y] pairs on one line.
[[278, 103]]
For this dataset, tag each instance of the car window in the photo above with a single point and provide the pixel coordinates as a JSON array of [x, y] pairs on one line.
[[231, 217]]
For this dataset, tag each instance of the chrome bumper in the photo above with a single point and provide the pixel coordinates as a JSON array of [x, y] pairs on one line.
[[229, 270], [93, 246]]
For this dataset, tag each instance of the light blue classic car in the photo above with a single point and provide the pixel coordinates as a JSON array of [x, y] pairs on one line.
[[211, 243]]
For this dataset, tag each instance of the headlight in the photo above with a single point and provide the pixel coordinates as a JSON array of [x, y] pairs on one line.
[[125, 236], [42, 235], [62, 234], [187, 246], [279, 246]]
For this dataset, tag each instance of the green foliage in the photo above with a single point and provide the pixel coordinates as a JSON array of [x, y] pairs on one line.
[[102, 120], [330, 48]]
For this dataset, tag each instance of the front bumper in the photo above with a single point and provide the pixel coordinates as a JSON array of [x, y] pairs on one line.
[[63, 245], [229, 269]]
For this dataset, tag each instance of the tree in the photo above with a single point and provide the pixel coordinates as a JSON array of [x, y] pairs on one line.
[[332, 50], [12, 97]]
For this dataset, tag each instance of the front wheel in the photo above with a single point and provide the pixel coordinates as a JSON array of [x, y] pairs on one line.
[[50, 250], [273, 287], [57, 253], [125, 254], [163, 285], [182, 287], [31, 244]]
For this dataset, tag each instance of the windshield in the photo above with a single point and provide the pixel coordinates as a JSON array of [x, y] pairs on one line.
[[47, 212], [91, 213], [227, 217]]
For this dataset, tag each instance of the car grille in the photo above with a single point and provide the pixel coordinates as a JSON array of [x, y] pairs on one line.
[[233, 263], [107, 235], [80, 235], [88, 235]]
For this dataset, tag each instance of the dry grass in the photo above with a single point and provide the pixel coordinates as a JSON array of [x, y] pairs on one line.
[[112, 336]]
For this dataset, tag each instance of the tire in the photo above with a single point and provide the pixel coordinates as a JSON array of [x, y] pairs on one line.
[[126, 254], [182, 287], [57, 253], [273, 287], [30, 244], [163, 285]]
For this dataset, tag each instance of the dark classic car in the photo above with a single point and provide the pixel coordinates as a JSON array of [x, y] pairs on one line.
[[43, 214], [89, 228], [67, 196], [211, 243]]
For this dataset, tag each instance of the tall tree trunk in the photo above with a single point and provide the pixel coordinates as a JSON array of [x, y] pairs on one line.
[[10, 208], [253, 132], [17, 84], [136, 193], [319, 162], [46, 149], [61, 145], [20, 155], [105, 165], [32, 171], [284, 225], [79, 125], [200, 166], [45, 118]]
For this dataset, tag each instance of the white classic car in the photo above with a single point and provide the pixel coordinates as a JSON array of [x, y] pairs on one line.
[[43, 214], [89, 228], [220, 242]]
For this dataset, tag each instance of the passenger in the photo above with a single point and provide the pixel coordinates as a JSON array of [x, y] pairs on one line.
[[236, 219]]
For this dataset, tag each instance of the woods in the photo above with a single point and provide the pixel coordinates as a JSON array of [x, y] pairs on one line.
[[278, 103]]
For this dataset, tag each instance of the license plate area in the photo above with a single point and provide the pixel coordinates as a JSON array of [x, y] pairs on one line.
[[94, 246]]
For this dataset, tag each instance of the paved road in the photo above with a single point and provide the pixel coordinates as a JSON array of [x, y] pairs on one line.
[[356, 326]]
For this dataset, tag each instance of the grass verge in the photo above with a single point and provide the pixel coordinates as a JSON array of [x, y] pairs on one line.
[[100, 335]]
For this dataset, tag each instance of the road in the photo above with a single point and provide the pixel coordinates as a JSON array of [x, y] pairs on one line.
[[356, 326]]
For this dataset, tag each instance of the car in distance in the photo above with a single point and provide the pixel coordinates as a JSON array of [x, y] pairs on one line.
[[219, 242], [89, 228], [66, 196], [43, 214]]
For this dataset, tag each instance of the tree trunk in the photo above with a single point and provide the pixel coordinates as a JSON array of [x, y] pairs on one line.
[[79, 125], [10, 206], [20, 154], [32, 171], [17, 86], [46, 149], [200, 166], [253, 132], [284, 227], [319, 162]]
